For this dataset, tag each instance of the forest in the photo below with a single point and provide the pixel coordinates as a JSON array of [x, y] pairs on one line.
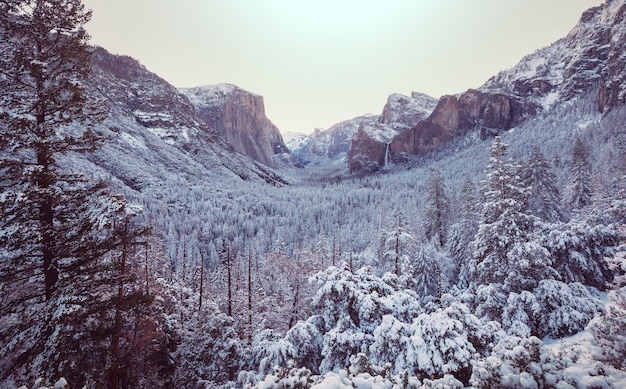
[[491, 262]]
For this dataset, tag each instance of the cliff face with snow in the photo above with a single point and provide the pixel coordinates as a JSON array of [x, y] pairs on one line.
[[155, 135], [239, 116], [592, 55]]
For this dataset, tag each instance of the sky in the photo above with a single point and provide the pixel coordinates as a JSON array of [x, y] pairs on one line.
[[319, 62]]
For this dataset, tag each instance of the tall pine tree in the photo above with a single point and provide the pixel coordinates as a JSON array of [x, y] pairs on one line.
[[55, 222], [503, 223], [45, 60], [437, 211], [581, 186], [544, 200]]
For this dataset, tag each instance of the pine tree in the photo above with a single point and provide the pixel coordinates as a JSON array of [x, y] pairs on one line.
[[504, 222], [580, 187], [44, 63], [57, 227], [463, 233], [437, 211], [397, 243], [544, 200]]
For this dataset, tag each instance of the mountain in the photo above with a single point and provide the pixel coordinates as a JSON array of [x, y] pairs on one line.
[[330, 147], [155, 134], [239, 116], [336, 144], [590, 56]]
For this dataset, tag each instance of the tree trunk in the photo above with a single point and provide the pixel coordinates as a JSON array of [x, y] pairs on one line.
[[46, 223], [117, 327], [230, 293]]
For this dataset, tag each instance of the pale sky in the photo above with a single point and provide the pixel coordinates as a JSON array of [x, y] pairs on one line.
[[318, 62]]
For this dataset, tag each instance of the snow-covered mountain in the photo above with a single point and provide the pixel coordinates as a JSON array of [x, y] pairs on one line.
[[590, 56], [239, 116], [330, 147], [155, 134], [333, 146]]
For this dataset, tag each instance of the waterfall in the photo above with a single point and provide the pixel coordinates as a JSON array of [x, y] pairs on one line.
[[387, 155]]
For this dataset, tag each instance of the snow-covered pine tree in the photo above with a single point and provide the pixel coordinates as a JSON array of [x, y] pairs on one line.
[[580, 186], [55, 223], [44, 61], [503, 222], [425, 274], [463, 233], [397, 243], [437, 210], [544, 200]]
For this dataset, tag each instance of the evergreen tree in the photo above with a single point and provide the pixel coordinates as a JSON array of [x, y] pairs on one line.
[[463, 233], [397, 243], [58, 228], [504, 222], [580, 187], [425, 273], [544, 200], [44, 62], [437, 211]]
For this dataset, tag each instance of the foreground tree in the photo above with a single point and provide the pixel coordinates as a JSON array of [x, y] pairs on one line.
[[57, 227], [504, 224], [45, 59]]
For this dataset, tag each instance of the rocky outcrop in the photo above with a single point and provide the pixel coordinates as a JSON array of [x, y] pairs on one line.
[[239, 116], [404, 112], [370, 147], [613, 79], [490, 113]]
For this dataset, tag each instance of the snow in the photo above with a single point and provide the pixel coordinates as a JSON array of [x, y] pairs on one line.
[[133, 141], [211, 95]]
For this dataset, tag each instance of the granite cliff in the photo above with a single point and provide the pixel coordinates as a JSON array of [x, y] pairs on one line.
[[239, 116]]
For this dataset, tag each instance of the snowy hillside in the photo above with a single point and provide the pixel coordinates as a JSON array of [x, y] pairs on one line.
[[591, 54]]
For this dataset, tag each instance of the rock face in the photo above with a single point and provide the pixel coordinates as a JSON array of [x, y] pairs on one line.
[[370, 147], [403, 112], [239, 116], [454, 116]]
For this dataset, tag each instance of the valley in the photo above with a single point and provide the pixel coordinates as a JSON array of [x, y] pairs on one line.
[[161, 237]]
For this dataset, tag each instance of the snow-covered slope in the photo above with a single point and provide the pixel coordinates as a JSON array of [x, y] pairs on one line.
[[155, 135], [593, 53]]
